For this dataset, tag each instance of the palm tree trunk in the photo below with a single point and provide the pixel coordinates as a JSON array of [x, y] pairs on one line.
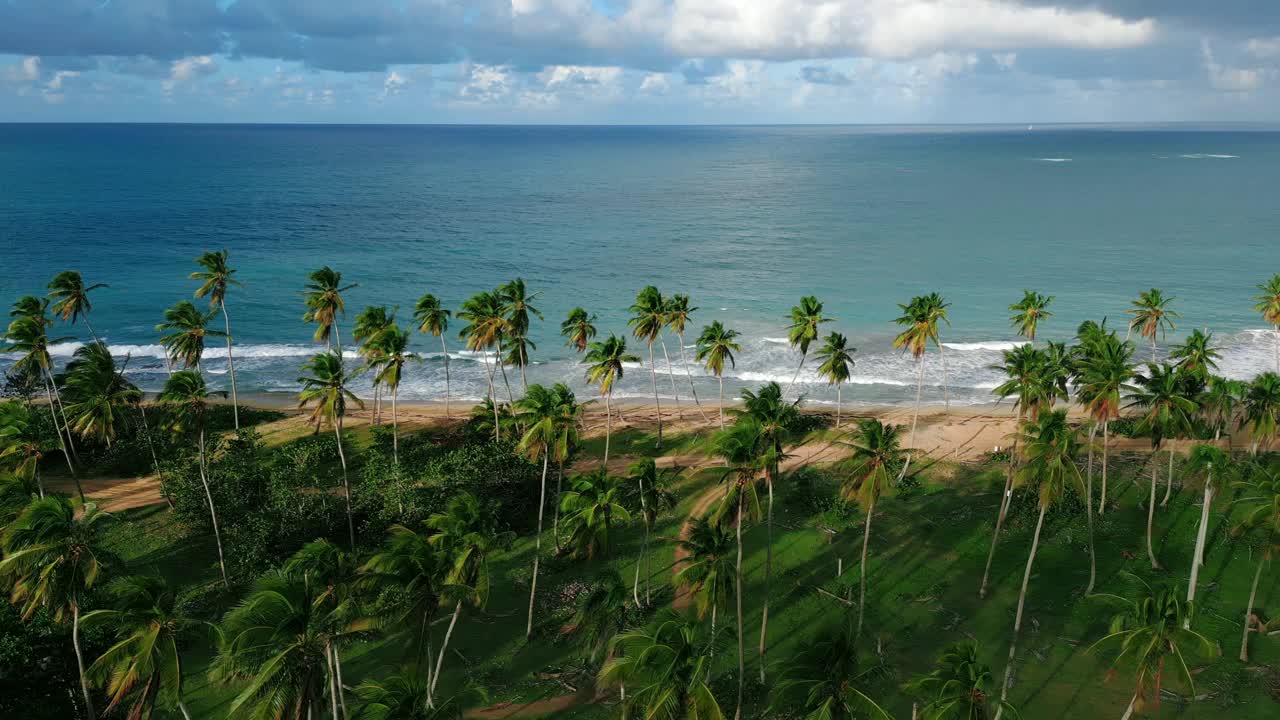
[[1128, 712], [742, 673], [1151, 514], [1276, 344], [1106, 454], [503, 365], [493, 395], [447, 390], [862, 591], [1005, 498], [155, 462], [183, 708], [1088, 509], [915, 416], [1248, 610], [342, 693], [795, 377], [346, 485], [671, 374], [333, 680], [53, 411], [231, 366], [213, 514], [721, 379], [524, 380], [1168, 488], [395, 424], [92, 334], [635, 587], [653, 376], [555, 520], [75, 643], [839, 402], [1017, 618], [1197, 558], [608, 423], [62, 410], [431, 689], [768, 574], [693, 390], [537, 546]]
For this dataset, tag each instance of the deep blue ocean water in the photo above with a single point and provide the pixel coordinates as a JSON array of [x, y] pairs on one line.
[[743, 219]]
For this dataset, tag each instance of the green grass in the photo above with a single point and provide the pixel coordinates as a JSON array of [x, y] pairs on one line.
[[928, 549]]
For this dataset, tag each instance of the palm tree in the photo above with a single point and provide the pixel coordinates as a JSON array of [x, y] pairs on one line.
[[678, 312], [569, 416], [336, 573], [214, 279], [409, 564], [919, 319], [820, 681], [592, 507], [143, 668], [518, 355], [184, 330], [1148, 631], [1051, 446], [539, 412], [27, 336], [22, 445], [1219, 404], [188, 398], [715, 345], [391, 348], [53, 557], [1104, 375], [1262, 410], [1260, 494], [1197, 355], [669, 666], [96, 391], [518, 303], [367, 331], [326, 386], [654, 494], [578, 328], [1202, 462], [746, 451], [71, 298], [403, 696], [323, 298], [708, 567], [606, 361], [1167, 413], [434, 319], [1268, 306], [1151, 315], [485, 326], [648, 319], [876, 455], [837, 365], [957, 687], [278, 640], [601, 614], [806, 319], [1028, 312], [466, 535]]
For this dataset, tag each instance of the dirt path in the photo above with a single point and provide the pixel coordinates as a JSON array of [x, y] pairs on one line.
[[536, 708]]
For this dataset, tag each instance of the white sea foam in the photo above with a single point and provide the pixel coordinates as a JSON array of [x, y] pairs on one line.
[[1054, 160], [984, 345], [1207, 156], [776, 341]]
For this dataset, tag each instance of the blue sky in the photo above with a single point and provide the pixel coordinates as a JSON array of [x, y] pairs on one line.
[[639, 61]]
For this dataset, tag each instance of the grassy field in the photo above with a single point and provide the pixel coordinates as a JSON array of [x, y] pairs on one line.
[[928, 549]]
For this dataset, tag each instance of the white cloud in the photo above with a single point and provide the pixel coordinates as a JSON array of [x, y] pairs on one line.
[[1263, 48], [485, 83], [188, 69], [654, 84], [393, 84], [889, 29], [555, 76], [1005, 61], [1231, 79], [30, 68]]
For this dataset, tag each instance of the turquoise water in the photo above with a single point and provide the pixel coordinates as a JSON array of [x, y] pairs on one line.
[[744, 220]]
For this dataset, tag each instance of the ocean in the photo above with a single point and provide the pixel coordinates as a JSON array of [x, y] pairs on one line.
[[745, 220]]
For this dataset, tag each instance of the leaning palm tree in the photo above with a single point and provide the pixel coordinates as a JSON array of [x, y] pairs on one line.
[[1268, 305], [518, 302], [1219, 404], [578, 328], [708, 567], [143, 668], [958, 686], [654, 493], [215, 278], [71, 298], [323, 297], [409, 565], [678, 312], [1262, 410], [367, 332], [327, 387], [336, 572], [1028, 312], [465, 537], [22, 444], [539, 413], [806, 319], [391, 350], [649, 317], [1104, 375], [188, 398], [592, 508], [518, 352], [1166, 413], [1151, 631], [27, 336], [1197, 356], [669, 668], [1260, 496], [434, 319], [183, 333], [486, 324], [569, 417], [601, 614], [1151, 315], [837, 365], [96, 393], [53, 557], [820, 681], [606, 361], [919, 320], [876, 456], [1214, 468], [715, 345], [1051, 446]]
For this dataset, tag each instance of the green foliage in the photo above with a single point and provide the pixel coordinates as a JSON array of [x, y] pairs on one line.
[[37, 667]]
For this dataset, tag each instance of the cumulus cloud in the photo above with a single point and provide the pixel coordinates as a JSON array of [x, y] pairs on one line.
[[824, 75], [188, 69], [1231, 79]]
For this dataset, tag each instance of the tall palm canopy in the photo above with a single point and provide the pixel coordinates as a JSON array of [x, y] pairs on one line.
[[432, 318], [323, 298], [71, 298], [1151, 315], [593, 509], [578, 328], [1262, 409], [606, 361], [648, 318], [666, 667], [96, 392], [806, 320], [1268, 306], [716, 344], [184, 331], [515, 296], [837, 365], [326, 386], [958, 688], [215, 277], [1197, 355], [821, 681], [1028, 312]]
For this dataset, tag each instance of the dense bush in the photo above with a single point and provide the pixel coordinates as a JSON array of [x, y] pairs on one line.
[[37, 668]]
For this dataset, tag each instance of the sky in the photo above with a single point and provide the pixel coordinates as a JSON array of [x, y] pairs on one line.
[[639, 61]]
